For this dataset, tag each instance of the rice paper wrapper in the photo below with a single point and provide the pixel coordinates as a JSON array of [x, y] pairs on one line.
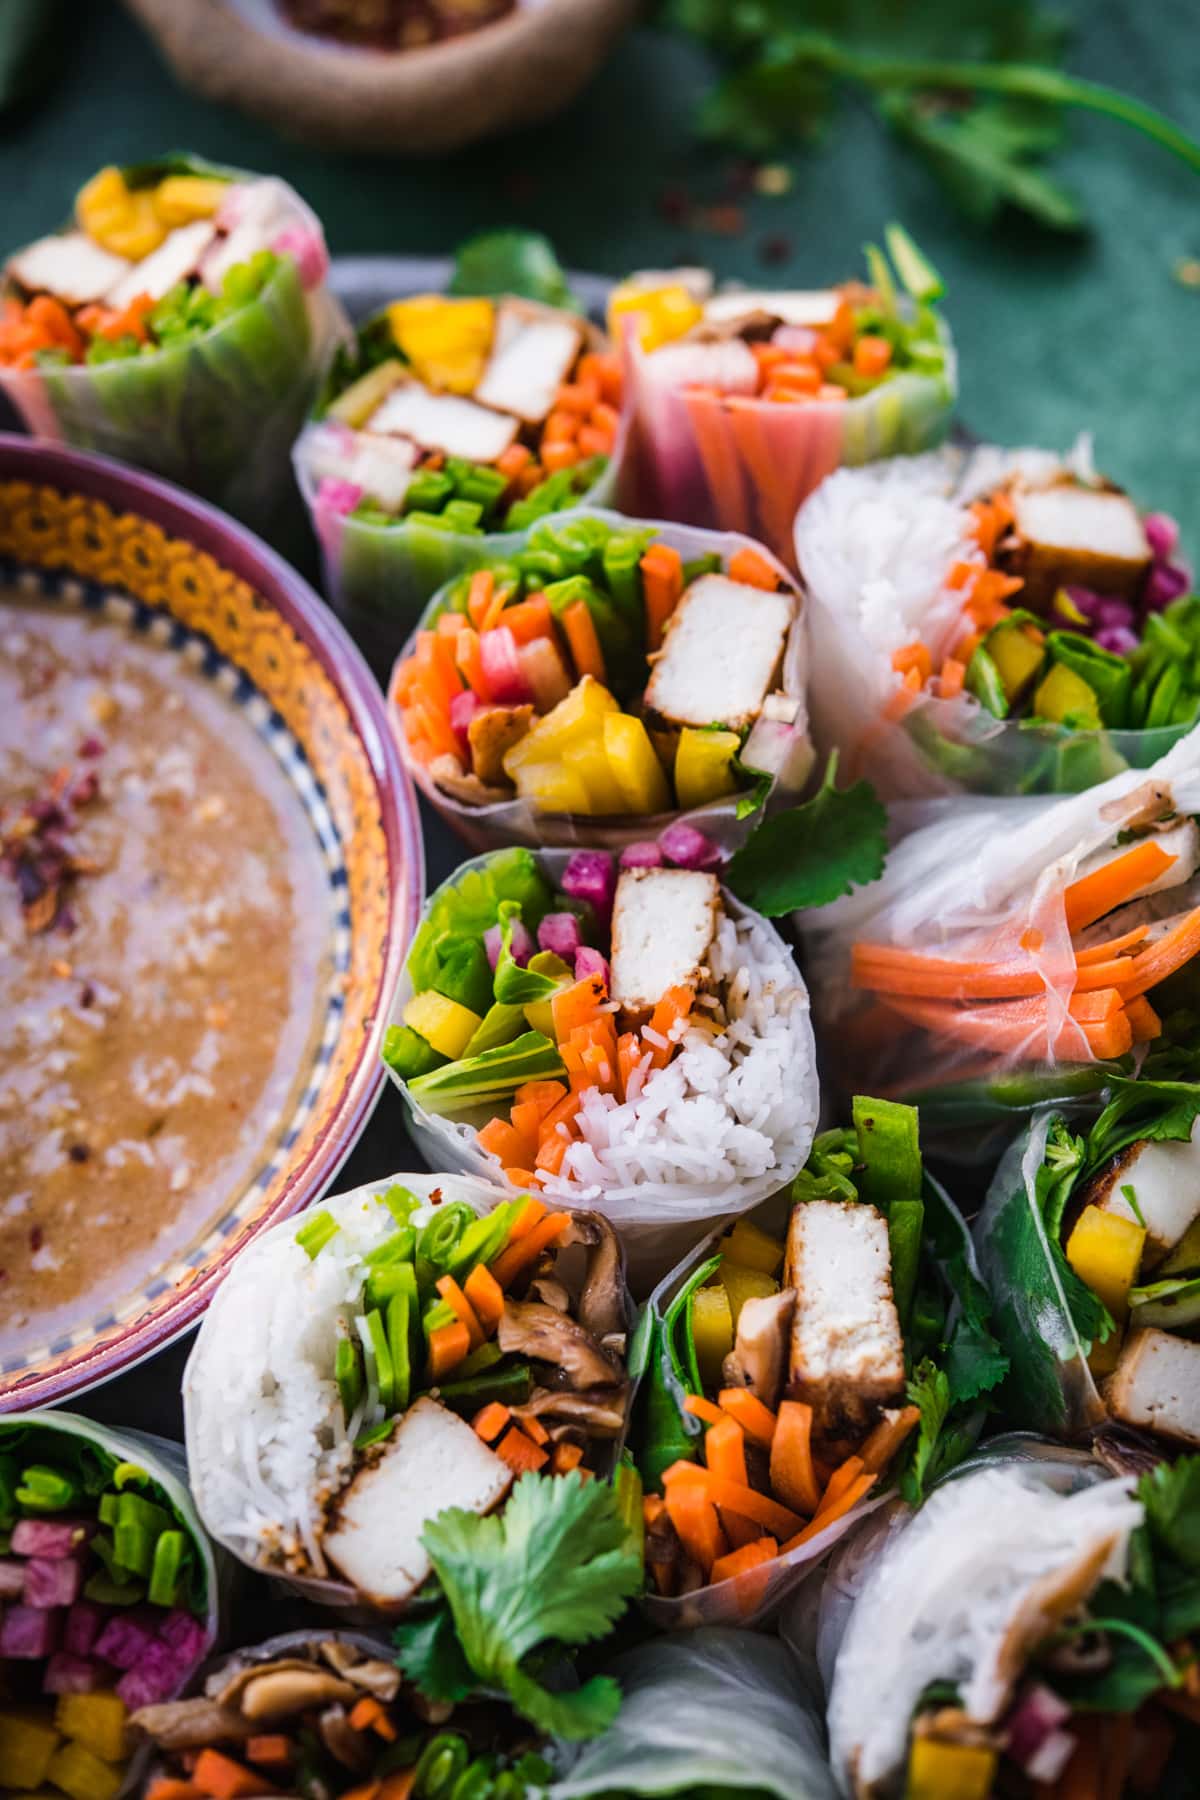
[[983, 880], [874, 547], [763, 1593], [746, 464], [271, 1334], [659, 1220], [716, 1712], [218, 415], [516, 821]]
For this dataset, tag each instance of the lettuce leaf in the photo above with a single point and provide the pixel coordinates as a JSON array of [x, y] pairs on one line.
[[467, 908]]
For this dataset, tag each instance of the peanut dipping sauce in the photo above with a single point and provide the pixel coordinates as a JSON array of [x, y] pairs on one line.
[[165, 956]]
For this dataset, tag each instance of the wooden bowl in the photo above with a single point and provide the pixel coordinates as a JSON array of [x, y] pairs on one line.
[[517, 71]]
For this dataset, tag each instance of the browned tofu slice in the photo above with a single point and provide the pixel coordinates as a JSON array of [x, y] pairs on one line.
[[490, 734], [662, 925], [847, 1352], [1070, 534], [1156, 1385], [532, 354], [720, 656]]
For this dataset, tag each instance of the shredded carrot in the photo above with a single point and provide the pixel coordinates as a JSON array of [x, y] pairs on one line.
[[951, 676], [578, 1004], [578, 396], [871, 354], [514, 459], [831, 1514], [521, 1178], [913, 656], [740, 1562], [567, 1456], [756, 1420], [675, 1006], [582, 640], [542, 1094], [1101, 953], [560, 428], [501, 1139], [725, 1451], [752, 569], [662, 587], [454, 1297], [487, 1299], [697, 1526], [793, 1477], [1006, 1026], [530, 1215], [516, 1257], [629, 1055], [843, 1477], [275, 1751], [479, 596], [559, 456], [448, 1346], [882, 1443], [1163, 958], [778, 1520], [1106, 888], [490, 1421], [520, 1452], [551, 1154], [1144, 1022], [563, 1113], [224, 1779], [700, 1408], [369, 1714]]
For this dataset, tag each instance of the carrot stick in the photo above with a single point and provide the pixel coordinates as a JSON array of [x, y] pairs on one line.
[[274, 1750], [490, 1421], [793, 1477], [500, 1139], [750, 1556], [1144, 1022], [738, 1529], [578, 1004], [951, 677], [515, 1257], [700, 1408], [369, 1714], [551, 1154], [676, 1004], [882, 1443], [1102, 953], [756, 1420], [1170, 953], [776, 1519], [168, 1788], [468, 660], [1089, 898], [842, 1477], [725, 1451], [567, 1456], [454, 1297], [542, 1094], [530, 619], [479, 596], [223, 1778], [662, 586], [486, 1296], [776, 506], [530, 1215], [396, 1786], [582, 641], [522, 1178], [697, 1527], [564, 1112], [1009, 1026], [520, 1452], [448, 1346], [722, 467], [844, 1504]]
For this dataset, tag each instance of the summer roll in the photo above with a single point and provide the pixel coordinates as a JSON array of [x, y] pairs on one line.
[[629, 1038], [603, 681], [179, 322], [744, 399], [399, 1351], [794, 1376], [111, 1599], [998, 621], [1024, 1632]]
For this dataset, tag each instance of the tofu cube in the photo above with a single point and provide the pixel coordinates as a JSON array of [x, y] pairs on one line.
[[443, 422], [723, 646], [174, 260], [847, 1352], [68, 265], [1164, 1178], [662, 925], [813, 307], [533, 352], [432, 1460], [1156, 1385], [1071, 534]]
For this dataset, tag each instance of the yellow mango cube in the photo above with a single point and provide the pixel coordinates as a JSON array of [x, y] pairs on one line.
[[182, 199], [666, 312], [27, 1745], [356, 403], [1105, 1251], [702, 766], [445, 1025], [576, 715], [940, 1771], [139, 233], [753, 1249], [1104, 1357], [80, 1773], [635, 765], [446, 341], [98, 1721], [712, 1332], [104, 196], [742, 1284], [551, 787], [587, 758]]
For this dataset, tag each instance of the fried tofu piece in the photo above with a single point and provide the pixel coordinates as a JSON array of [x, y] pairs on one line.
[[847, 1352], [174, 260], [1156, 1385], [533, 352], [662, 925], [1071, 535], [431, 1461], [444, 422], [69, 266], [490, 734], [759, 1357], [1164, 1178], [722, 651], [812, 307]]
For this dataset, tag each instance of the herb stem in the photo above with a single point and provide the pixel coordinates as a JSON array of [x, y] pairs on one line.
[[1170, 1672]]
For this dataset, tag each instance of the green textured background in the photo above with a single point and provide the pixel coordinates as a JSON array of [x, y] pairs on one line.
[[1055, 335]]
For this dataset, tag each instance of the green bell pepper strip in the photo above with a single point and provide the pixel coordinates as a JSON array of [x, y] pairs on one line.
[[348, 1374], [398, 1337], [511, 1385], [165, 1567], [889, 1151]]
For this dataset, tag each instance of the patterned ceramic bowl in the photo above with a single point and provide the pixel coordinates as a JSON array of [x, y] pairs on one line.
[[81, 532]]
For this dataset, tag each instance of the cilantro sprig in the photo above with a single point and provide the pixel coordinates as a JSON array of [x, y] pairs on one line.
[[815, 853]]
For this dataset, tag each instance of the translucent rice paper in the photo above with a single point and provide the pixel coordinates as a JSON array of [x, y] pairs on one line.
[[267, 1309], [759, 1594], [380, 577], [746, 464], [915, 1596], [874, 547], [166, 1463], [658, 1222], [980, 880], [218, 415], [714, 1712], [515, 821]]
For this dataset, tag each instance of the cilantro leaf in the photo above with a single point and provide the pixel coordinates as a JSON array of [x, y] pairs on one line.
[[511, 262], [555, 1567], [936, 1449], [430, 1655], [815, 853], [1171, 1497]]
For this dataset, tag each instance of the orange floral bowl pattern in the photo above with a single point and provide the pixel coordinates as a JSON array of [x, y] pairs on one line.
[[69, 521]]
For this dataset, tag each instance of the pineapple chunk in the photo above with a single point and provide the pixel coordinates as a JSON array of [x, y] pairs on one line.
[[586, 704], [941, 1771], [702, 766], [182, 199], [446, 1026], [635, 766], [97, 1721], [753, 1249], [551, 787], [356, 403], [27, 1746], [446, 341], [81, 1774], [712, 1332], [586, 757], [1105, 1251], [742, 1284]]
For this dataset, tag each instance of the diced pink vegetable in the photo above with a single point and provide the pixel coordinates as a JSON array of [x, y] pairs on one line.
[[591, 875], [1039, 1713], [463, 708], [307, 250], [125, 1639], [646, 855], [337, 496], [1085, 601], [559, 932], [1117, 638], [52, 1581], [502, 667], [184, 1635], [1165, 582], [51, 1537], [28, 1633], [156, 1676], [1114, 612], [520, 944], [795, 337], [1051, 1758], [1162, 535], [12, 1579], [84, 1624], [545, 671], [688, 848], [67, 1674], [590, 962]]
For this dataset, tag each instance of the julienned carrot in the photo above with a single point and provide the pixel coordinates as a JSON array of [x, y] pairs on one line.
[[831, 1514], [1106, 888], [486, 1296], [1100, 953], [542, 1094], [793, 1476], [951, 677], [468, 659], [273, 1750], [675, 1005], [1159, 960], [515, 1257], [501, 1139], [734, 1497], [842, 1478], [578, 1004], [888, 970], [490, 1421], [1144, 1022], [662, 587], [530, 619], [525, 1179], [755, 447], [577, 623], [725, 1451], [448, 1346], [533, 1428], [753, 569], [756, 1420], [700, 1408], [697, 1526], [629, 1055], [551, 1154], [740, 1562], [913, 656], [531, 1214], [167, 1787], [454, 1297], [514, 459], [369, 1714], [883, 1443], [563, 1112], [224, 1779], [520, 1452], [1007, 1026], [479, 596]]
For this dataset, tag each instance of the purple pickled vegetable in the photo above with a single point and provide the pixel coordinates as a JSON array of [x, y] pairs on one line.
[[12, 1579], [1051, 1758], [520, 944], [125, 1639], [1085, 601], [28, 1633], [51, 1537], [52, 1581], [184, 1635], [463, 708], [560, 934], [84, 1624], [591, 875], [1117, 638], [156, 1675], [1037, 1715], [590, 962], [68, 1674], [646, 855], [1114, 612], [688, 848], [1165, 582], [492, 944], [1162, 535]]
